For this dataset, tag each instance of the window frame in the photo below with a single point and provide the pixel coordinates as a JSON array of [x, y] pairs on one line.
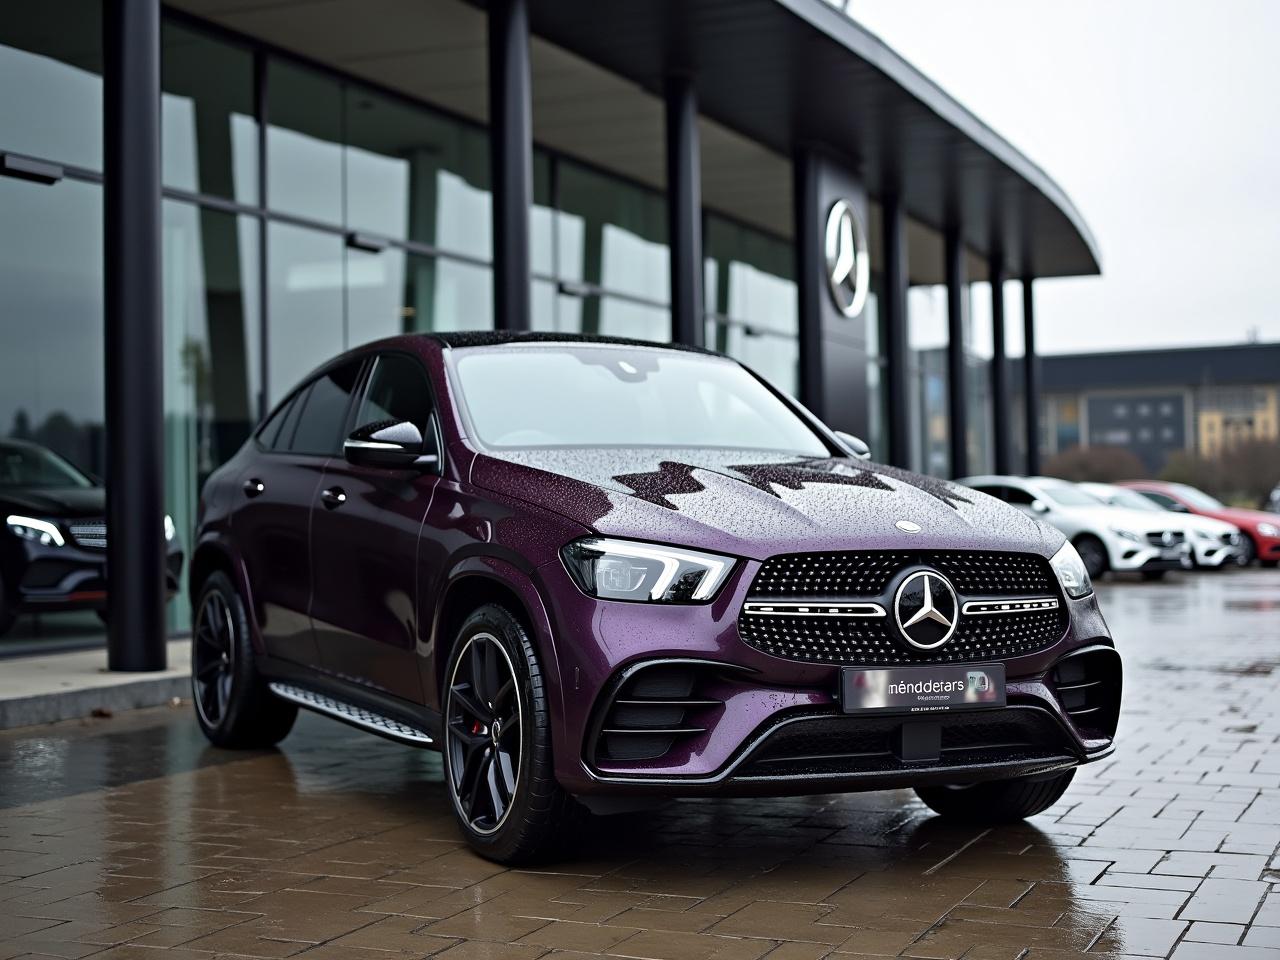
[[357, 390], [433, 418]]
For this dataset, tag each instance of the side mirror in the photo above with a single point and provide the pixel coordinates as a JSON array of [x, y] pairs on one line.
[[856, 446], [390, 444], [1039, 506]]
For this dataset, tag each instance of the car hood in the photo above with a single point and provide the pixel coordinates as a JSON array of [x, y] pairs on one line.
[[755, 504], [1139, 521], [1197, 521], [62, 502], [1244, 517]]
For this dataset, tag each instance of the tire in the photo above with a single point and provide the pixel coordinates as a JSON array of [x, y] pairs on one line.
[[1248, 551], [1153, 575], [501, 780], [232, 703], [996, 801], [1094, 554]]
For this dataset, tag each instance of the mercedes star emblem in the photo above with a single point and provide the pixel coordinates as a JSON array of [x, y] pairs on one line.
[[908, 526], [926, 610], [848, 266]]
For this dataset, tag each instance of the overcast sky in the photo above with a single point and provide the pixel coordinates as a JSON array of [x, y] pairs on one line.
[[1160, 119]]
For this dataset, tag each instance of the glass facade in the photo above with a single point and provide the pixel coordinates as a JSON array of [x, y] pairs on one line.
[[306, 213], [978, 349], [927, 380], [751, 301]]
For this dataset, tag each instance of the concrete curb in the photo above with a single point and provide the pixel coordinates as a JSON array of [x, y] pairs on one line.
[[75, 704]]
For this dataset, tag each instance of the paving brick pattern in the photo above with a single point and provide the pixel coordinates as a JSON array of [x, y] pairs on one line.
[[128, 838]]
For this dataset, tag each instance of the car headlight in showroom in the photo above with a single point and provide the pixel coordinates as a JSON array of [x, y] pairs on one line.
[[1071, 572], [650, 573], [1124, 534], [170, 531], [43, 532], [1269, 530]]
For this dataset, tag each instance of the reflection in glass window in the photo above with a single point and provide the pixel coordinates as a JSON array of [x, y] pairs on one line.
[[209, 131], [978, 348], [212, 362], [611, 316], [304, 304], [541, 227], [775, 358], [414, 174], [750, 295], [394, 292], [927, 379], [51, 336], [304, 150], [612, 234], [51, 78]]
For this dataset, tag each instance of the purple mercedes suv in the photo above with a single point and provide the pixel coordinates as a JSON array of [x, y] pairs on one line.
[[597, 573]]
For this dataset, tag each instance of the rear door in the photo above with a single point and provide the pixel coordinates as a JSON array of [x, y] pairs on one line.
[[273, 523], [365, 532]]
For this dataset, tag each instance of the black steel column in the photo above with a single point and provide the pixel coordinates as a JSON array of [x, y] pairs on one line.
[[684, 211], [511, 151], [1031, 377], [809, 269], [893, 325], [957, 394], [1001, 434], [134, 331]]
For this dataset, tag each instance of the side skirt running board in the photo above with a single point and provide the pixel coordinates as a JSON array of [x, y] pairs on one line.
[[350, 713]]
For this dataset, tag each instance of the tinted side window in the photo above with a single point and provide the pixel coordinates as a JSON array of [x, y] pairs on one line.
[[324, 412], [991, 490], [269, 433], [1159, 498], [398, 390], [1018, 496]]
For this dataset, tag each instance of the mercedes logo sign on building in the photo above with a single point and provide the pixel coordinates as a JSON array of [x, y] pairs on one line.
[[926, 610], [848, 266]]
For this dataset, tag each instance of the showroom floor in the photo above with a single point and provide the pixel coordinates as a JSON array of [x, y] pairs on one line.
[[128, 837]]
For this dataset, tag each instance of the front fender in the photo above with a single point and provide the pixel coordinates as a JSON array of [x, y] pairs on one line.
[[214, 551], [467, 583]]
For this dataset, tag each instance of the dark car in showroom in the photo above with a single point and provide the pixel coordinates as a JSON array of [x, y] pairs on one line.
[[53, 544], [597, 573]]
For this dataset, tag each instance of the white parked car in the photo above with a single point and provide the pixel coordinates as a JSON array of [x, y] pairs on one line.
[[1107, 538], [1213, 542]]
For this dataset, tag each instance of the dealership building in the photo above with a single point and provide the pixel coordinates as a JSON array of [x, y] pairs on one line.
[[201, 201]]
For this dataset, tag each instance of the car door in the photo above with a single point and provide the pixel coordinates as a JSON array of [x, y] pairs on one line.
[[273, 524], [365, 534]]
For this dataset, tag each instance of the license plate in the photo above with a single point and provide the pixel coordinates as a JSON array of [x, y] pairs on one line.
[[922, 689]]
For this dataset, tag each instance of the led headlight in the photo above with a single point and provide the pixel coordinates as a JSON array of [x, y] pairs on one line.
[[1124, 534], [1269, 530], [645, 572], [1071, 572], [169, 530], [43, 532]]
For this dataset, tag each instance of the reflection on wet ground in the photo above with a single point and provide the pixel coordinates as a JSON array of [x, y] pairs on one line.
[[129, 837]]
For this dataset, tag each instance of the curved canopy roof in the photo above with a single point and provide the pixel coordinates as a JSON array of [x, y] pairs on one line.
[[790, 72]]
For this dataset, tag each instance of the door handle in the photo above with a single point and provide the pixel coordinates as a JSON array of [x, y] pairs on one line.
[[333, 498], [253, 487]]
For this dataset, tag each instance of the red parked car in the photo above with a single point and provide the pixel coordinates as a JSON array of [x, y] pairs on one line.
[[1261, 529]]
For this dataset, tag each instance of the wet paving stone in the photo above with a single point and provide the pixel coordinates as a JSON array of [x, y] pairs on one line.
[[130, 838]]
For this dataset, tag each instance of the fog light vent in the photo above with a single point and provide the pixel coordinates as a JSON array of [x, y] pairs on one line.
[[1088, 687], [652, 709]]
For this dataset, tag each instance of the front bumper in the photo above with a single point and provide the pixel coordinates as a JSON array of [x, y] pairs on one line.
[[71, 577], [749, 711], [1127, 556], [1213, 553]]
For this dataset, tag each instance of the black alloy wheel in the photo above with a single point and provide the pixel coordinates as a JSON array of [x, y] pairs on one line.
[[483, 733], [213, 658], [498, 762], [234, 705]]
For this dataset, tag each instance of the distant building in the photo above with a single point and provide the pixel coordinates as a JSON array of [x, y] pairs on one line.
[[1155, 402]]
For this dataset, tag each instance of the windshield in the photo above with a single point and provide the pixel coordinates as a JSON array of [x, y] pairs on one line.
[[27, 466], [1129, 499], [591, 395], [1198, 498], [1066, 495]]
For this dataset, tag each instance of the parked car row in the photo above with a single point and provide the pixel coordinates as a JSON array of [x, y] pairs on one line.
[[1143, 526]]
